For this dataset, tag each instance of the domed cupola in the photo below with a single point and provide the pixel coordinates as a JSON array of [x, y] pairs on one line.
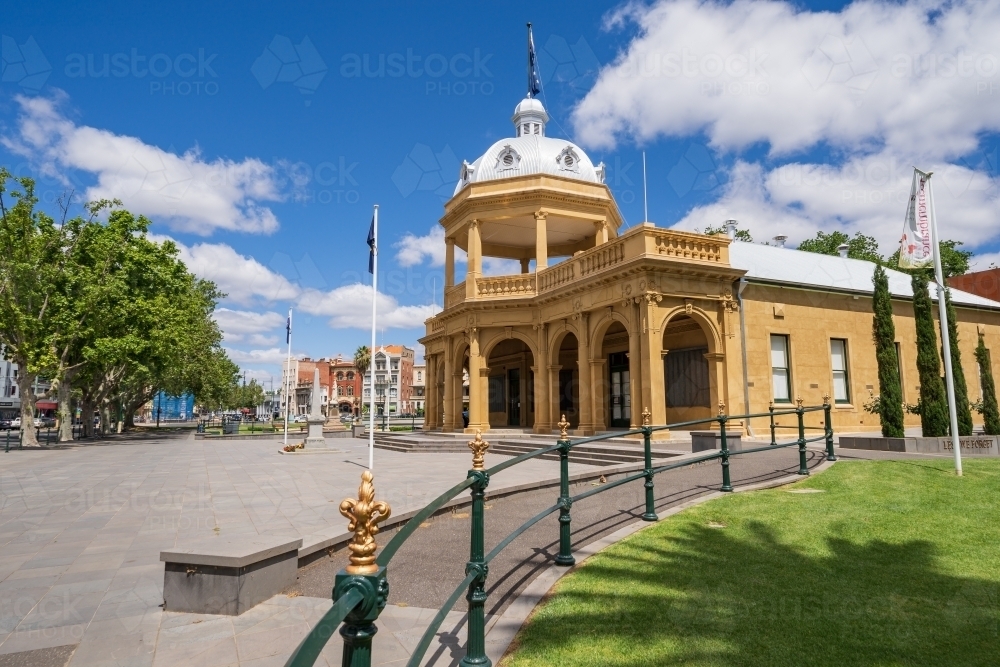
[[529, 117], [530, 152]]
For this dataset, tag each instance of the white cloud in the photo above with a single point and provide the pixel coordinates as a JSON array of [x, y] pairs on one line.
[[248, 326], [920, 78], [241, 277], [349, 307], [183, 191], [414, 250], [271, 355], [867, 194]]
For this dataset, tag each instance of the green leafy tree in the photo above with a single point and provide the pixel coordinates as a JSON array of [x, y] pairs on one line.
[[954, 262], [988, 401], [933, 403], [858, 247], [363, 359], [890, 403], [957, 373]]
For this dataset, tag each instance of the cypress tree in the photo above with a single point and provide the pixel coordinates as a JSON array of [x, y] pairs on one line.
[[991, 414], [961, 389], [884, 334], [933, 402]]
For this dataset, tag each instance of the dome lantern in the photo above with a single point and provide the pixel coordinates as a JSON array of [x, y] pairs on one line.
[[529, 118]]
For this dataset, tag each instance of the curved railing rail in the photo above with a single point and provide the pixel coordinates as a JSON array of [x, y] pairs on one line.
[[360, 591]]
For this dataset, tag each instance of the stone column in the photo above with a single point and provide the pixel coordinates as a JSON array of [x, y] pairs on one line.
[[449, 387], [586, 426], [475, 385], [635, 366], [449, 262], [430, 389], [653, 393], [543, 395], [475, 265], [554, 411], [541, 242], [717, 391], [602, 232], [598, 394], [524, 264]]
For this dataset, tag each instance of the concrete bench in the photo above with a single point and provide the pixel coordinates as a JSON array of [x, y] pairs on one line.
[[704, 440], [228, 575]]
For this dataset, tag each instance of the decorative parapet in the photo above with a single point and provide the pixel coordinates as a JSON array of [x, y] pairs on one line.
[[522, 284], [691, 246], [454, 295], [557, 275]]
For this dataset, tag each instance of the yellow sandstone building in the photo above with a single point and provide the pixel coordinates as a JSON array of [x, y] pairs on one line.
[[603, 320]]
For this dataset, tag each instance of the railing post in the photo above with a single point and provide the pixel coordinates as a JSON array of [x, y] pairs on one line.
[[565, 556], [727, 484], [647, 434], [770, 409], [475, 649], [363, 574], [800, 413], [828, 428]]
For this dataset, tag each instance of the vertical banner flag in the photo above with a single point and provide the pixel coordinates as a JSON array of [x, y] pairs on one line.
[[534, 81], [288, 329], [372, 249], [916, 246]]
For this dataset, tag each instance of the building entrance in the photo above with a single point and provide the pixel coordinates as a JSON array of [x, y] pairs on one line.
[[514, 397], [620, 398]]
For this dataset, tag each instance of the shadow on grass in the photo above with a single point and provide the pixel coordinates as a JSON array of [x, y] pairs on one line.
[[705, 596]]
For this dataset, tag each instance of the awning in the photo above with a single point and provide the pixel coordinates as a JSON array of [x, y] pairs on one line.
[[46, 405]]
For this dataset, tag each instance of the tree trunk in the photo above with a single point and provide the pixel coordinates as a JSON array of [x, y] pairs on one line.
[[26, 388], [87, 417], [65, 411]]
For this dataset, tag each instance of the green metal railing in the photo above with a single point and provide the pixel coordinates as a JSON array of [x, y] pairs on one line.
[[359, 598]]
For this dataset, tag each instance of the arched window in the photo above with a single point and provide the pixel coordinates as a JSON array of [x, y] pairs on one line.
[[350, 375], [340, 375], [350, 390]]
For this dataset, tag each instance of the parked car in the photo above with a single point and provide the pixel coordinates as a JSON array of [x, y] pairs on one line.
[[48, 422], [16, 423], [300, 419], [37, 422], [5, 424]]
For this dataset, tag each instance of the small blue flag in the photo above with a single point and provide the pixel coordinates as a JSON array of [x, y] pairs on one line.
[[372, 248], [288, 330], [534, 81]]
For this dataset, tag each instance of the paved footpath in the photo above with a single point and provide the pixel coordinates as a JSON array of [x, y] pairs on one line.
[[82, 527]]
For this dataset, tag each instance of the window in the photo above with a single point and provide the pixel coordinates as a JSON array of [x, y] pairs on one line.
[[838, 361], [498, 397], [340, 375], [350, 375], [781, 378], [350, 390], [395, 379]]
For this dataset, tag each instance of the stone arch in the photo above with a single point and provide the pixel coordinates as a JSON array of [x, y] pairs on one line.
[[708, 326], [556, 335], [692, 364], [611, 372], [601, 327], [487, 348]]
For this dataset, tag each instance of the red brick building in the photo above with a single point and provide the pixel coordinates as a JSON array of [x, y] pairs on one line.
[[981, 283]]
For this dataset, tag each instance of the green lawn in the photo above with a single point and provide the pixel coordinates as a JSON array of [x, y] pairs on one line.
[[894, 563]]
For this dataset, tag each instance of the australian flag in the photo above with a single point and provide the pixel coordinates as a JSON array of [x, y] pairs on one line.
[[372, 247], [288, 330], [534, 81]]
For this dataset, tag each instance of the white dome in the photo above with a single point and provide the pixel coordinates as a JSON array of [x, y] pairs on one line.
[[530, 152]]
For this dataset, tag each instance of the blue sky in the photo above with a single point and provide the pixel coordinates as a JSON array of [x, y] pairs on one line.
[[258, 137]]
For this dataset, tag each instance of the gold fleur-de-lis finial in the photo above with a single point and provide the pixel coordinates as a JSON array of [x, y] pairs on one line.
[[563, 428], [647, 416], [722, 409], [363, 516], [798, 402], [479, 447], [826, 399]]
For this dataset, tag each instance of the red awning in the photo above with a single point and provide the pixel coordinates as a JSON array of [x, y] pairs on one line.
[[46, 405]]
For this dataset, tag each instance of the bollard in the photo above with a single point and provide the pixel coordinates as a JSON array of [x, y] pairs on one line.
[[565, 556], [727, 484], [828, 428], [647, 433], [800, 413], [770, 408], [475, 649], [6, 442]]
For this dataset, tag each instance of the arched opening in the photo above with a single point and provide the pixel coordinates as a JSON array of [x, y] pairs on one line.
[[567, 388], [614, 384], [687, 380], [511, 385]]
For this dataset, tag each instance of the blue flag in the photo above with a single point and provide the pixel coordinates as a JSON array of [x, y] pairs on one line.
[[288, 330], [372, 248], [534, 81]]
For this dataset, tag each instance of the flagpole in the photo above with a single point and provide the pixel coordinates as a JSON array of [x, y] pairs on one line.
[[529, 61], [371, 355], [945, 335], [288, 398]]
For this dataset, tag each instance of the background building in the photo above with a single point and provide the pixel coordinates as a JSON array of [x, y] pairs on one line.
[[393, 369], [417, 395]]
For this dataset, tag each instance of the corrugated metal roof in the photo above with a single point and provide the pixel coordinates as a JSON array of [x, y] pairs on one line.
[[771, 264]]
